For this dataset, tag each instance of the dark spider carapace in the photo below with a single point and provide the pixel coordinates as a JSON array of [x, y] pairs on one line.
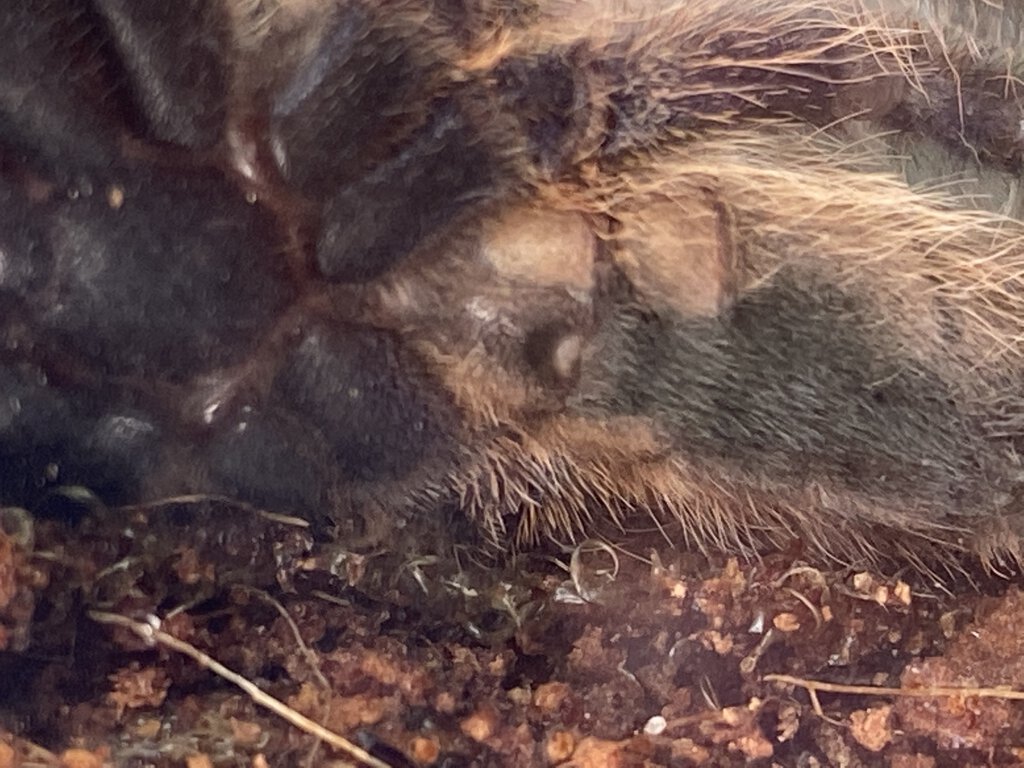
[[558, 267]]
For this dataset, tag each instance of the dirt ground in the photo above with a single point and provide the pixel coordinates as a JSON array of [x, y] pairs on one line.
[[445, 656]]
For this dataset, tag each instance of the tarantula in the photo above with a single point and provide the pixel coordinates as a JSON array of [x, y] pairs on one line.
[[745, 273]]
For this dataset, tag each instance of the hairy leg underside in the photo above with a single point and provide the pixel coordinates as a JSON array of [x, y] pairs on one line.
[[746, 274]]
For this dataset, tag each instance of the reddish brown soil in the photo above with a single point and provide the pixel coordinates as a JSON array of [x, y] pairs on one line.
[[443, 659]]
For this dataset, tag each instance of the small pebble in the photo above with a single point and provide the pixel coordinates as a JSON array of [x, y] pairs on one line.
[[655, 726]]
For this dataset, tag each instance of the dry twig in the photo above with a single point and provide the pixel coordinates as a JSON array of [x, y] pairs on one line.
[[152, 634], [930, 692]]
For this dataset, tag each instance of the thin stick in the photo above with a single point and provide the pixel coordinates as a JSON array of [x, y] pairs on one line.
[[307, 653], [151, 634], [931, 692]]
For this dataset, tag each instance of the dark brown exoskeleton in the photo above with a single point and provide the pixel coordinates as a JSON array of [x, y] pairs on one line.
[[748, 274]]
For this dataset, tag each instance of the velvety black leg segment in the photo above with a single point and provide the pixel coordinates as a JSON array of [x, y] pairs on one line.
[[363, 88], [273, 459], [126, 447], [63, 101], [375, 409], [36, 428], [159, 272], [176, 57], [371, 224], [53, 437], [25, 258]]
